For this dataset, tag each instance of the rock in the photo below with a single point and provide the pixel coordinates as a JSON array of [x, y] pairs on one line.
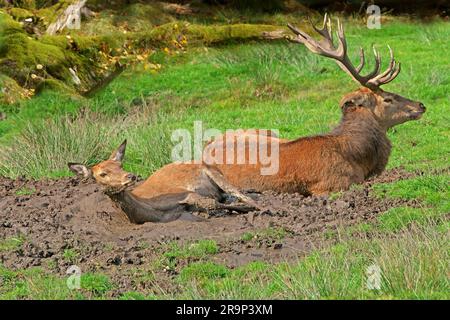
[[7, 224], [278, 246], [115, 261]]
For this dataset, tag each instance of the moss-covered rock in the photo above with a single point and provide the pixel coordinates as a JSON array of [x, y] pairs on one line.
[[20, 53], [30, 60], [10, 91], [20, 14], [54, 85]]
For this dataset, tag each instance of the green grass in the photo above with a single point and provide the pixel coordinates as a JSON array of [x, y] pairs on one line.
[[32, 284], [203, 271], [96, 284], [267, 85], [70, 255], [24, 191], [393, 220], [267, 234], [197, 250], [397, 218], [433, 190], [413, 266], [142, 276], [11, 243], [37, 284]]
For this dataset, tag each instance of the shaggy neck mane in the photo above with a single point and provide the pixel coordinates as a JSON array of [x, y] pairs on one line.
[[363, 140]]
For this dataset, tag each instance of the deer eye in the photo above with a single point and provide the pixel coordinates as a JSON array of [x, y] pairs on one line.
[[103, 174], [388, 100]]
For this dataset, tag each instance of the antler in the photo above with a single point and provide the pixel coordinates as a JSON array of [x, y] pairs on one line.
[[326, 48]]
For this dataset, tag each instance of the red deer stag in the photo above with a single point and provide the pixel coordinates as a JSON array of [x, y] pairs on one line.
[[356, 149]]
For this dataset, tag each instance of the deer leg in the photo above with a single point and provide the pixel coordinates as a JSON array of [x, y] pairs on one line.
[[201, 203], [220, 181]]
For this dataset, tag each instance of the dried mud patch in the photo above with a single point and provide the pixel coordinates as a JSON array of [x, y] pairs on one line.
[[66, 221]]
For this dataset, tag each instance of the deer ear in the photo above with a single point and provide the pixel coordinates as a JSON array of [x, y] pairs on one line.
[[118, 154], [79, 169]]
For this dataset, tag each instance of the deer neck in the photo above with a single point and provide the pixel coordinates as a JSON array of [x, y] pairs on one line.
[[363, 141], [139, 210]]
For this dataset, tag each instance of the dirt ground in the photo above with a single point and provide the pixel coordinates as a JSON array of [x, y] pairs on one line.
[[55, 215]]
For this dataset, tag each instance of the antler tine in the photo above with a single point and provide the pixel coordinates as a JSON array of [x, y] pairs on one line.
[[294, 29], [310, 43], [342, 48], [326, 22], [381, 78], [392, 76], [305, 39], [325, 31], [377, 67], [301, 36], [362, 60]]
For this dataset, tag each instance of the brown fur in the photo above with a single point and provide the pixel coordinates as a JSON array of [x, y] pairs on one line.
[[356, 149]]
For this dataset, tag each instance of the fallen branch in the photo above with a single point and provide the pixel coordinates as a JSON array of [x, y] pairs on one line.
[[276, 34], [105, 81]]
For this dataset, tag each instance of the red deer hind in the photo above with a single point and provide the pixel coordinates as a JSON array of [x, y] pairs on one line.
[[355, 150]]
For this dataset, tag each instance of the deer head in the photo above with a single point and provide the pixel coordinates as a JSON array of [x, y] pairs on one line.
[[388, 108], [108, 173]]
